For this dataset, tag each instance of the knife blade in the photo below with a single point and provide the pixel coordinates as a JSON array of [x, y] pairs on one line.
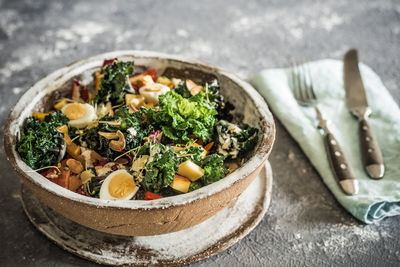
[[357, 103]]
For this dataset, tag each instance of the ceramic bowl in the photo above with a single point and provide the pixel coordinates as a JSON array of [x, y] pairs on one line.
[[140, 217]]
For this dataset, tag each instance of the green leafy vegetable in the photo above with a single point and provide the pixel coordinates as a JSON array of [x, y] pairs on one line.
[[193, 153], [40, 142], [132, 126], [94, 185], [195, 185], [180, 117], [213, 95], [235, 142], [161, 169], [213, 169], [182, 90], [97, 142], [115, 82], [248, 139]]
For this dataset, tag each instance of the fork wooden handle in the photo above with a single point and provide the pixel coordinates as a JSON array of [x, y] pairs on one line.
[[340, 165]]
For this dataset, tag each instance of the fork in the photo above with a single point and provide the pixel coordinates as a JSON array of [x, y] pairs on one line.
[[304, 94]]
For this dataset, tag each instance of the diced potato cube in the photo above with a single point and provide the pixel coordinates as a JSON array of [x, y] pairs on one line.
[[98, 77], [190, 170], [60, 104], [180, 184], [140, 80], [136, 100], [40, 115], [164, 80]]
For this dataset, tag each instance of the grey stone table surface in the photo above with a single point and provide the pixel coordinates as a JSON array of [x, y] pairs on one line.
[[304, 225]]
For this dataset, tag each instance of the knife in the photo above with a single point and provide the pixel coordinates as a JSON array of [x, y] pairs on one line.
[[358, 105]]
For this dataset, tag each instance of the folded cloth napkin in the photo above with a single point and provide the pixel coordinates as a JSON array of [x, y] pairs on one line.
[[376, 199]]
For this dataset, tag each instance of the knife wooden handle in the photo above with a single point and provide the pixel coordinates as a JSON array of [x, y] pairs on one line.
[[340, 165], [371, 153]]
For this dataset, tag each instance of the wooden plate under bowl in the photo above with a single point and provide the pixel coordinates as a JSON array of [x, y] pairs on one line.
[[183, 247]]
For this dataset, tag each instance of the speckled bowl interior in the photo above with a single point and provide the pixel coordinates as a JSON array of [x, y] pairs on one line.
[[139, 217]]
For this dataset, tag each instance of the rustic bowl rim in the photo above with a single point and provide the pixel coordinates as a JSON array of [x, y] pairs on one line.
[[259, 157]]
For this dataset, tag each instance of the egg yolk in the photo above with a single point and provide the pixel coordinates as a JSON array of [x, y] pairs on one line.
[[74, 111], [153, 88], [121, 185]]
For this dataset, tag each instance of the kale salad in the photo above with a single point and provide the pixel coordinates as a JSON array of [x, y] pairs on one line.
[[136, 136]]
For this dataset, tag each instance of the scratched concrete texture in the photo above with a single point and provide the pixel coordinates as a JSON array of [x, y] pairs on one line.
[[304, 225]]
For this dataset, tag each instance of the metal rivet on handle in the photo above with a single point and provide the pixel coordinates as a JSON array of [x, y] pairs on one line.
[[370, 150], [337, 153], [367, 138], [365, 128], [343, 166], [333, 142]]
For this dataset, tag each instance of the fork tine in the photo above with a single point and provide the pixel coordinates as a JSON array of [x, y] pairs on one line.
[[295, 83], [300, 90], [305, 86], [311, 84], [303, 82]]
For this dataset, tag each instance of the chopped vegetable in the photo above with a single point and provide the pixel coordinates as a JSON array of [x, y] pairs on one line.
[[60, 104], [40, 115], [151, 196], [213, 169], [160, 170], [233, 141], [190, 170], [180, 184], [40, 142], [179, 117], [129, 137], [115, 82]]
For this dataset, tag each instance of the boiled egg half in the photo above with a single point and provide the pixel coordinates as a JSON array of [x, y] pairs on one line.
[[79, 115], [152, 91], [118, 185]]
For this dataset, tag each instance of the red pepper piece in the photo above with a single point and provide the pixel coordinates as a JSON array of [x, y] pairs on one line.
[[81, 191], [151, 196], [100, 162], [79, 91], [108, 61], [128, 155], [152, 73], [75, 90]]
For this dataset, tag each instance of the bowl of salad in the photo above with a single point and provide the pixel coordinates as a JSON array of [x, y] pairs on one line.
[[139, 143]]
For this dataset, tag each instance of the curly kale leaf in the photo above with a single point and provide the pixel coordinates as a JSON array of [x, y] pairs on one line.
[[115, 82], [132, 126], [233, 141], [213, 94], [179, 117], [94, 186], [248, 139], [195, 185], [161, 169], [99, 143], [193, 153], [182, 90], [213, 169], [40, 142]]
